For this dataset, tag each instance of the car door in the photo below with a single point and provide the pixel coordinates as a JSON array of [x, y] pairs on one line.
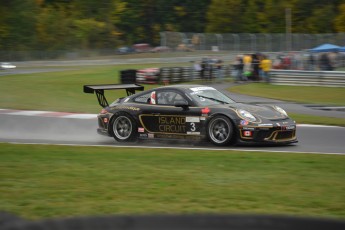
[[168, 115]]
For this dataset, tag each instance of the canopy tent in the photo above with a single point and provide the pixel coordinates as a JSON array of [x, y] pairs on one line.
[[342, 49], [326, 48]]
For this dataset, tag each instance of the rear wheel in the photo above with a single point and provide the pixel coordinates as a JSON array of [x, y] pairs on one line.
[[220, 130], [123, 127]]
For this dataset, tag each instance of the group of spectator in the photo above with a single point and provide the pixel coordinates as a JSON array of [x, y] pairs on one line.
[[254, 67], [325, 61], [257, 66]]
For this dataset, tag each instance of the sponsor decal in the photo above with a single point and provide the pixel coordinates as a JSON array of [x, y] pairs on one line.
[[192, 119], [247, 133], [150, 135], [202, 118], [141, 130], [128, 108], [205, 110], [244, 122], [264, 125], [193, 133], [248, 128], [290, 127], [143, 135], [202, 88], [172, 124]]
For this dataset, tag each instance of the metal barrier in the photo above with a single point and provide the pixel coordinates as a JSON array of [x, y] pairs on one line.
[[308, 78]]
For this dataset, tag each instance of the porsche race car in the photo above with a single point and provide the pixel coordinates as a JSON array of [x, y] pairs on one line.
[[193, 112]]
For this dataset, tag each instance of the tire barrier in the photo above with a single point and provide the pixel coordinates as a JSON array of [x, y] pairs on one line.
[[179, 222], [128, 76], [172, 75], [148, 76], [308, 78]]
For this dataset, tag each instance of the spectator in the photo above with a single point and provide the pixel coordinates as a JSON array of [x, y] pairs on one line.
[[197, 70], [325, 62], [203, 68], [219, 70], [311, 62], [247, 61], [266, 65], [238, 69], [255, 67]]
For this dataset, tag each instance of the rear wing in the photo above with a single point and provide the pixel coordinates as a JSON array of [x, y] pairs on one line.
[[99, 90]]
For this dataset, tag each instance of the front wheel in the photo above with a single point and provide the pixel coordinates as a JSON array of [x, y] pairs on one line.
[[220, 130], [123, 127]]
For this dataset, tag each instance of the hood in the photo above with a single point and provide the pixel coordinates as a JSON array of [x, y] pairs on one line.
[[260, 111]]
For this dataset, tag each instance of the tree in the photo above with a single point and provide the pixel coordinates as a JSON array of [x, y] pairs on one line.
[[223, 16], [339, 21]]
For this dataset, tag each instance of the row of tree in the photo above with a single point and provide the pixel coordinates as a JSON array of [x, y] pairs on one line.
[[97, 24]]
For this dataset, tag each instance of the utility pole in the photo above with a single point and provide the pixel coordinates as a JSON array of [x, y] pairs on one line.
[[288, 28]]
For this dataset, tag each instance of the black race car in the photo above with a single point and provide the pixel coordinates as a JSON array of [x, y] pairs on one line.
[[189, 112]]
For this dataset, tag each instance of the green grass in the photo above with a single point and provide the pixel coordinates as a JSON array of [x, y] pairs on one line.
[[39, 181], [317, 120], [59, 91], [302, 94]]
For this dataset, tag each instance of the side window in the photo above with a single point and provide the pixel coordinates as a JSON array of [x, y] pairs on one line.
[[168, 97], [143, 98]]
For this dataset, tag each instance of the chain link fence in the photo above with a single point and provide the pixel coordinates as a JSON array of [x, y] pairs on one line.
[[248, 42], [194, 44]]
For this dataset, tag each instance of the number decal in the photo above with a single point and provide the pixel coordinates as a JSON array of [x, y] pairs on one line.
[[192, 126]]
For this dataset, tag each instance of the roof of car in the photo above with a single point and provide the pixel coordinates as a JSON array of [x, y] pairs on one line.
[[180, 86]]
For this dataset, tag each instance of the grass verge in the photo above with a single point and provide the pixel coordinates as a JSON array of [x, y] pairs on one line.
[[39, 181], [317, 120], [302, 94]]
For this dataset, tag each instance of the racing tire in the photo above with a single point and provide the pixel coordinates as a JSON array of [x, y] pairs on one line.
[[220, 131], [123, 127]]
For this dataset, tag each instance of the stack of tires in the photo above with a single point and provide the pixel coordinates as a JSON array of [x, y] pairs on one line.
[[187, 74], [176, 74], [128, 76], [165, 75]]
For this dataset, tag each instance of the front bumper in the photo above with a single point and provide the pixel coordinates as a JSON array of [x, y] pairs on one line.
[[277, 133]]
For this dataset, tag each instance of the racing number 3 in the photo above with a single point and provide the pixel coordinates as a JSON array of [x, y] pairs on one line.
[[193, 125]]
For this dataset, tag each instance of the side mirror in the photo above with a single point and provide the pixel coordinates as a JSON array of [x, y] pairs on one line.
[[182, 104]]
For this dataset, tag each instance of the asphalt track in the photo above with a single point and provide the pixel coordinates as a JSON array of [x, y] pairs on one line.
[[81, 130]]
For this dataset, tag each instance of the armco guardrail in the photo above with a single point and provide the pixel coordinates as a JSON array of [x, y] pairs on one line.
[[308, 78]]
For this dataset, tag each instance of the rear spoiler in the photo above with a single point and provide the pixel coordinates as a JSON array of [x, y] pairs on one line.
[[99, 90]]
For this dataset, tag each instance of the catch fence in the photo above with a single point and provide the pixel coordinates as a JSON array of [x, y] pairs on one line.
[[193, 44], [248, 42]]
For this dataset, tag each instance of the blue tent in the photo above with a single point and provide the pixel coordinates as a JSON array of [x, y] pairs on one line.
[[325, 48], [342, 49]]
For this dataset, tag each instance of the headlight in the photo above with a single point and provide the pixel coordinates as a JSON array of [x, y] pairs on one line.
[[280, 110], [246, 115]]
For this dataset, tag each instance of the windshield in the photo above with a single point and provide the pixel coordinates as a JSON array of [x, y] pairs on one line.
[[205, 96]]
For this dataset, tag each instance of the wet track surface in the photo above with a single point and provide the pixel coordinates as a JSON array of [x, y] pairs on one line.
[[71, 131]]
